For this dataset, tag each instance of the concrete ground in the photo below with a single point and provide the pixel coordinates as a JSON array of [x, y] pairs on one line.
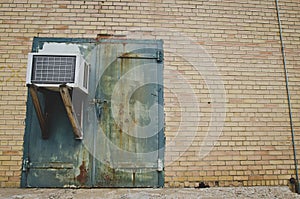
[[166, 193]]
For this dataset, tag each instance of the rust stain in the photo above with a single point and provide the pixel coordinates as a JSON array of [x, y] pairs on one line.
[[82, 177], [10, 152], [62, 27], [108, 176], [121, 140], [110, 36], [271, 105], [121, 69], [104, 36], [130, 55], [23, 38], [63, 6], [121, 109], [265, 53], [133, 178]]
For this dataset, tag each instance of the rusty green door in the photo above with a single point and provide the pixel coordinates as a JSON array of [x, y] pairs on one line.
[[129, 111], [58, 161]]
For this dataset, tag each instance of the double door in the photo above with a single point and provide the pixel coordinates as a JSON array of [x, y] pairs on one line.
[[121, 118]]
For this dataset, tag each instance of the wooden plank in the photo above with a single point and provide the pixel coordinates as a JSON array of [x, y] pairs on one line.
[[37, 106], [65, 95]]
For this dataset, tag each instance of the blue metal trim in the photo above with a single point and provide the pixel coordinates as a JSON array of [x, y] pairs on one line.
[[28, 120], [132, 41], [161, 135], [38, 42]]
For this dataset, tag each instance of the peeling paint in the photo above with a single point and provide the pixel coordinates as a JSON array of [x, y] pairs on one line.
[[60, 48]]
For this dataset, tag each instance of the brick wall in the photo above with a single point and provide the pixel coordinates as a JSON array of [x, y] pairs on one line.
[[230, 48]]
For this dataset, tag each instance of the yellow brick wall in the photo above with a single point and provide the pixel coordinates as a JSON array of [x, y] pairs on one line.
[[236, 42]]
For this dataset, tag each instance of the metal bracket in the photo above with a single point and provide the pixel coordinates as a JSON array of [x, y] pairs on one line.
[[25, 165], [131, 55]]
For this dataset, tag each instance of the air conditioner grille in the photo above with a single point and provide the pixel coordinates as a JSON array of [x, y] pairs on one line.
[[53, 69]]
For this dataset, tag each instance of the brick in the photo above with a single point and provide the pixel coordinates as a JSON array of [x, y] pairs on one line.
[[250, 65]]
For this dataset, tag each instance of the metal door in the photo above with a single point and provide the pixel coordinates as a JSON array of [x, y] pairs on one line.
[[123, 140], [129, 107], [58, 161]]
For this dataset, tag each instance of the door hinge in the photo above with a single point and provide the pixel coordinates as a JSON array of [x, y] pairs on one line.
[[159, 56], [26, 164], [160, 165]]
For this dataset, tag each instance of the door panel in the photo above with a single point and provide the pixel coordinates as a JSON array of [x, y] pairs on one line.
[[128, 116], [53, 162]]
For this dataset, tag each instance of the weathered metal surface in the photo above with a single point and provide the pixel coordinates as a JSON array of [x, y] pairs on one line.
[[53, 162], [123, 141], [128, 83]]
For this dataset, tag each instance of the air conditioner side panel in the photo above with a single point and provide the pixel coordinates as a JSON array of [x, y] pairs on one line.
[[77, 71], [29, 68], [80, 72]]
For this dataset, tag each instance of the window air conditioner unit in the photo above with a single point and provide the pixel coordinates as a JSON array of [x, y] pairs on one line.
[[52, 70]]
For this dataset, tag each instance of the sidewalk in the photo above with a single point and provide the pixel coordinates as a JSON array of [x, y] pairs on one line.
[[215, 192]]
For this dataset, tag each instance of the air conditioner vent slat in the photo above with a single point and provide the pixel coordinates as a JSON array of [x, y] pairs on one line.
[[53, 69]]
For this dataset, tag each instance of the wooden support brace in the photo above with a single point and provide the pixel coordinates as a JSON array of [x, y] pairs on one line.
[[37, 106], [66, 98]]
